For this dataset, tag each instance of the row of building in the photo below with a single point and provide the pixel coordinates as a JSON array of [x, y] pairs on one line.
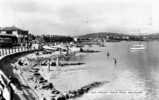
[[13, 35], [10, 36]]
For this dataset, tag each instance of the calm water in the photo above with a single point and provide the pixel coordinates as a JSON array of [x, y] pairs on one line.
[[135, 77]]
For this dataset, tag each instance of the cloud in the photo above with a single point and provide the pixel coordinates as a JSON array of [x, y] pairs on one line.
[[77, 16]]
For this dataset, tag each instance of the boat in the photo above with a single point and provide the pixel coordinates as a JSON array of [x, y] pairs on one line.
[[138, 47], [46, 47]]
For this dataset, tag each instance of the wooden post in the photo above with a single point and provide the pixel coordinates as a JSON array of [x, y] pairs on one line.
[[49, 65], [67, 50], [57, 61]]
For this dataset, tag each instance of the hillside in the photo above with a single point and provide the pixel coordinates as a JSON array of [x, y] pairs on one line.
[[119, 36]]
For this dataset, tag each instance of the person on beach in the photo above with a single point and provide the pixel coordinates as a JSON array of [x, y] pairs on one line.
[[115, 61], [108, 54]]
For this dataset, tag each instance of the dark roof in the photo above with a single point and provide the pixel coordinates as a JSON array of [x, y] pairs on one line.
[[10, 35], [12, 28]]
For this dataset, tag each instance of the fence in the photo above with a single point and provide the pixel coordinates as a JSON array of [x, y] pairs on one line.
[[8, 51]]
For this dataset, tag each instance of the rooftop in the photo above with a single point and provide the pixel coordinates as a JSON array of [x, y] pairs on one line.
[[12, 28]]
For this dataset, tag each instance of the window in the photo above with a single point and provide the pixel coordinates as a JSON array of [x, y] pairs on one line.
[[9, 32]]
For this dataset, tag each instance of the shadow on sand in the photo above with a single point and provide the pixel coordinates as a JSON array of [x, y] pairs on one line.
[[90, 51], [69, 64]]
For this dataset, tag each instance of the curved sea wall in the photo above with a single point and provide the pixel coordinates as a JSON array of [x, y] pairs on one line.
[[7, 73], [8, 59]]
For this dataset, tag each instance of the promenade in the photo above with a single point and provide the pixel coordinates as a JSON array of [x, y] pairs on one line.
[[15, 92]]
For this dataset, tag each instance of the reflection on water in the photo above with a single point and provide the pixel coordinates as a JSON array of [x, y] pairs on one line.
[[135, 77]]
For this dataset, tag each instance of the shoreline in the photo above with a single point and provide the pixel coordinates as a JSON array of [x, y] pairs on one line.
[[31, 75]]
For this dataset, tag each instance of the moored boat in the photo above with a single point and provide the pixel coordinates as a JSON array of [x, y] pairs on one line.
[[138, 47]]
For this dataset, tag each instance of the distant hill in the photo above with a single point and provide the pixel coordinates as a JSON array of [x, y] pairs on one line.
[[153, 36], [119, 36], [100, 35]]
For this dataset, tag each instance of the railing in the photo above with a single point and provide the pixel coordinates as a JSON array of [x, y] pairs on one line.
[[8, 51]]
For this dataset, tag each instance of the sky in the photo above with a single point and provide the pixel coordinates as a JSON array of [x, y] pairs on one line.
[[76, 17]]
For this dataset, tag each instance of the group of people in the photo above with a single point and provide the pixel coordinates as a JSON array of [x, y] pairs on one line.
[[114, 59]]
